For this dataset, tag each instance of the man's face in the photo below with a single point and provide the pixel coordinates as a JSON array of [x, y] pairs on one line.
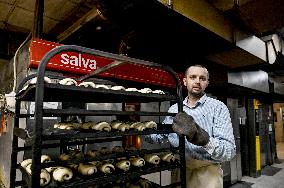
[[196, 80]]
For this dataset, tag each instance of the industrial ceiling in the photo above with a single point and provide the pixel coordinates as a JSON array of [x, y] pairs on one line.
[[147, 29]]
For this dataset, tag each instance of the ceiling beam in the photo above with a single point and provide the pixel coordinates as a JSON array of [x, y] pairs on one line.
[[225, 5], [205, 15], [93, 13]]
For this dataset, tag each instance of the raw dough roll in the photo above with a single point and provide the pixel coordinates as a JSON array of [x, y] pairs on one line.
[[123, 127], [123, 165], [102, 126], [131, 89], [101, 86], [158, 92], [74, 166], [72, 126], [104, 151], [168, 157], [150, 124], [29, 168], [26, 162], [132, 125], [50, 169], [117, 88], [145, 183], [145, 90], [152, 159], [118, 149], [66, 125], [87, 125], [140, 126], [87, 84], [115, 124], [106, 168], [46, 80], [57, 125], [137, 161], [68, 82], [45, 158], [87, 169], [65, 157], [93, 153], [62, 174], [44, 177], [78, 155]]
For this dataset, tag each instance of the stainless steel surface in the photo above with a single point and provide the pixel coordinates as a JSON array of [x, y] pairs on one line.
[[257, 80], [235, 163], [278, 88]]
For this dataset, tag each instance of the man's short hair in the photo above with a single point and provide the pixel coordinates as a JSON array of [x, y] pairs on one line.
[[196, 65]]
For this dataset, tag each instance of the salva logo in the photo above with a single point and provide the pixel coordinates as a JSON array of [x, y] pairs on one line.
[[78, 61]]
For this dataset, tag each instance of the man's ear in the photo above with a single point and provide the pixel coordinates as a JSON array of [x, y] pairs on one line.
[[184, 82], [207, 83]]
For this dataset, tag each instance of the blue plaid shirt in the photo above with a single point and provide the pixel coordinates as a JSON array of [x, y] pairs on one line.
[[213, 116]]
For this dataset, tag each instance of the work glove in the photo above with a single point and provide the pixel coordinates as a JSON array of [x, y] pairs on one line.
[[184, 124]]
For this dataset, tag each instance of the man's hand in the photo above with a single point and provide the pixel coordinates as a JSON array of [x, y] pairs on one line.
[[184, 124]]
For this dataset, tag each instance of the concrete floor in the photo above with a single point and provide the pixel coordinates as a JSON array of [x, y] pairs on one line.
[[264, 181], [275, 181]]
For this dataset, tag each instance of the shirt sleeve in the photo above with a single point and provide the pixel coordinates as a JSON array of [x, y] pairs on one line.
[[160, 138], [221, 145]]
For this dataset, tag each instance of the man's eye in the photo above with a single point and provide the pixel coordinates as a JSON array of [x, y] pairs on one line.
[[192, 77]]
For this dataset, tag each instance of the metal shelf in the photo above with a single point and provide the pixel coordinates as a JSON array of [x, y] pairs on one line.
[[127, 154], [42, 92], [101, 179], [63, 93], [59, 134], [84, 112]]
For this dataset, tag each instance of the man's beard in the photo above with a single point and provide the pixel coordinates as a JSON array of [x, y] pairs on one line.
[[197, 95]]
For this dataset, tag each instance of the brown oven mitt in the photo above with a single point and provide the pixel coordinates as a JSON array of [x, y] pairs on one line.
[[184, 124]]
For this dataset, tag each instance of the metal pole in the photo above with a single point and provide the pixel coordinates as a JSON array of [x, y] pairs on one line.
[[38, 19]]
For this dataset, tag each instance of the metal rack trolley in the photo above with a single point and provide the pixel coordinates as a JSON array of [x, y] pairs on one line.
[[42, 92]]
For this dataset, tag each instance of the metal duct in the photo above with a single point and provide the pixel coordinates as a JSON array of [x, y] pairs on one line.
[[278, 88], [257, 80], [253, 45]]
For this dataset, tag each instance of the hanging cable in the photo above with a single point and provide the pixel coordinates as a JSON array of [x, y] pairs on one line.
[[14, 61]]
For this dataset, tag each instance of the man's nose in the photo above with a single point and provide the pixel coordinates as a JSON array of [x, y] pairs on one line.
[[197, 81]]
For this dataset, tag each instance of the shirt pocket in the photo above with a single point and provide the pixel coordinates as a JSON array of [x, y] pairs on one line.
[[218, 127], [206, 122], [218, 122]]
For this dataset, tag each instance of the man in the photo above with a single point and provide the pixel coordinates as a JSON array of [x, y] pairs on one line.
[[206, 123]]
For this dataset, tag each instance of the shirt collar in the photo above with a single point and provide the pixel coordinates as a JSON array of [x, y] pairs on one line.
[[200, 101]]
